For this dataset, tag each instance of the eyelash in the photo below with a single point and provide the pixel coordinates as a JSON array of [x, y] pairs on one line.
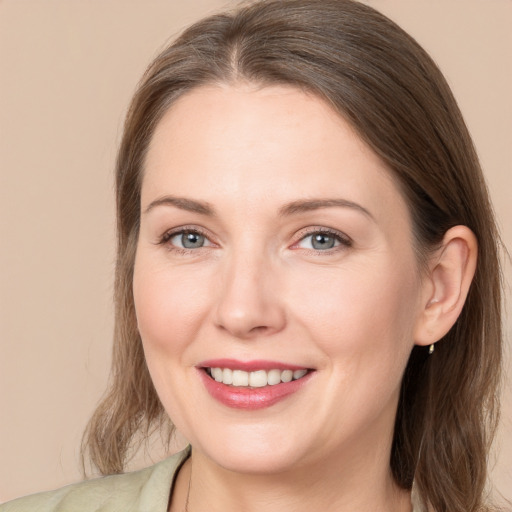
[[344, 241], [168, 235]]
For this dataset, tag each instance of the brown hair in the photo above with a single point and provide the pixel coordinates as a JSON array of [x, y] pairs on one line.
[[382, 82]]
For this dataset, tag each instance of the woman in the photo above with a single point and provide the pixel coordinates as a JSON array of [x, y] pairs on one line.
[[307, 278]]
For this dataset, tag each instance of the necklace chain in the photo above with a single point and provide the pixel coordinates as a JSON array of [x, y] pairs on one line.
[[188, 489]]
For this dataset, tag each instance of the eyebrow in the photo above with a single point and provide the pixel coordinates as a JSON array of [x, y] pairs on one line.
[[183, 203], [303, 206], [293, 208]]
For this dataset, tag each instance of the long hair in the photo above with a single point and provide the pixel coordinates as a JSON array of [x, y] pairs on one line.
[[385, 85]]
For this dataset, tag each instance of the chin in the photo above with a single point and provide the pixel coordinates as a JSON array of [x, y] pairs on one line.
[[253, 453], [264, 460]]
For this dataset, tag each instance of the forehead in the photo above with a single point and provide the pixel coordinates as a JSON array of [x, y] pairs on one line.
[[260, 146]]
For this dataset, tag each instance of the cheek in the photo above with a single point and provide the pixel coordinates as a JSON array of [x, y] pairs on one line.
[[356, 310], [167, 306], [363, 322]]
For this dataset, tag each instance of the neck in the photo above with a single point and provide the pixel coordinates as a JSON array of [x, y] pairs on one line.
[[203, 485]]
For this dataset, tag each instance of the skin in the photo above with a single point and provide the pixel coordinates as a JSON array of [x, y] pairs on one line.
[[259, 290]]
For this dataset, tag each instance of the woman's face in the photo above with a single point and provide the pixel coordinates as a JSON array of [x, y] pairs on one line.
[[274, 245]]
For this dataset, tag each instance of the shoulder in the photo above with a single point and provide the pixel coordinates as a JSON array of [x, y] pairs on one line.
[[146, 490]]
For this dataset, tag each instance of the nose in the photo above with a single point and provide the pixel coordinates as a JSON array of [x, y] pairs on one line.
[[250, 303]]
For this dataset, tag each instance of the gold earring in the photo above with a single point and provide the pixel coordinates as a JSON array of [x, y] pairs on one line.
[[431, 349]]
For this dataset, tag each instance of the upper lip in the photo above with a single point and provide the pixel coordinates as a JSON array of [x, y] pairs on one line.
[[249, 366]]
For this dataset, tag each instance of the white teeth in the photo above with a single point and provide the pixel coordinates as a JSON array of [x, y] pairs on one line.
[[274, 377], [286, 375], [217, 374], [240, 378], [227, 376], [298, 374], [256, 379]]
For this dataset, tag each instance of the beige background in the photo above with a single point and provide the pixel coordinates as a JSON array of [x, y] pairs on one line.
[[67, 71]]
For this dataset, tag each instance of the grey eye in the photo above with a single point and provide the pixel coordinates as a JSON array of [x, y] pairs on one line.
[[189, 240], [320, 241], [323, 241], [192, 240]]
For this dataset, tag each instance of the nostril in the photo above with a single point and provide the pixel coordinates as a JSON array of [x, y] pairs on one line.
[[259, 329]]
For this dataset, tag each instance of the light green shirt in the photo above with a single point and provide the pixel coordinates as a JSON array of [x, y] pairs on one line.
[[147, 490]]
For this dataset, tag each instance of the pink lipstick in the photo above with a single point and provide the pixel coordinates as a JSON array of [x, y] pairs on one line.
[[251, 384]]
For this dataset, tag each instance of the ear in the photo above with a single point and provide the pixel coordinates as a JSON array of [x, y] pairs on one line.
[[445, 287]]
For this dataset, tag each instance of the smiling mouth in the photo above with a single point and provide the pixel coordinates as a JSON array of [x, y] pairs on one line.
[[254, 379]]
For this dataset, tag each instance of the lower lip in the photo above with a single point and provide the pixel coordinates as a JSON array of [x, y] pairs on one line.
[[251, 398]]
